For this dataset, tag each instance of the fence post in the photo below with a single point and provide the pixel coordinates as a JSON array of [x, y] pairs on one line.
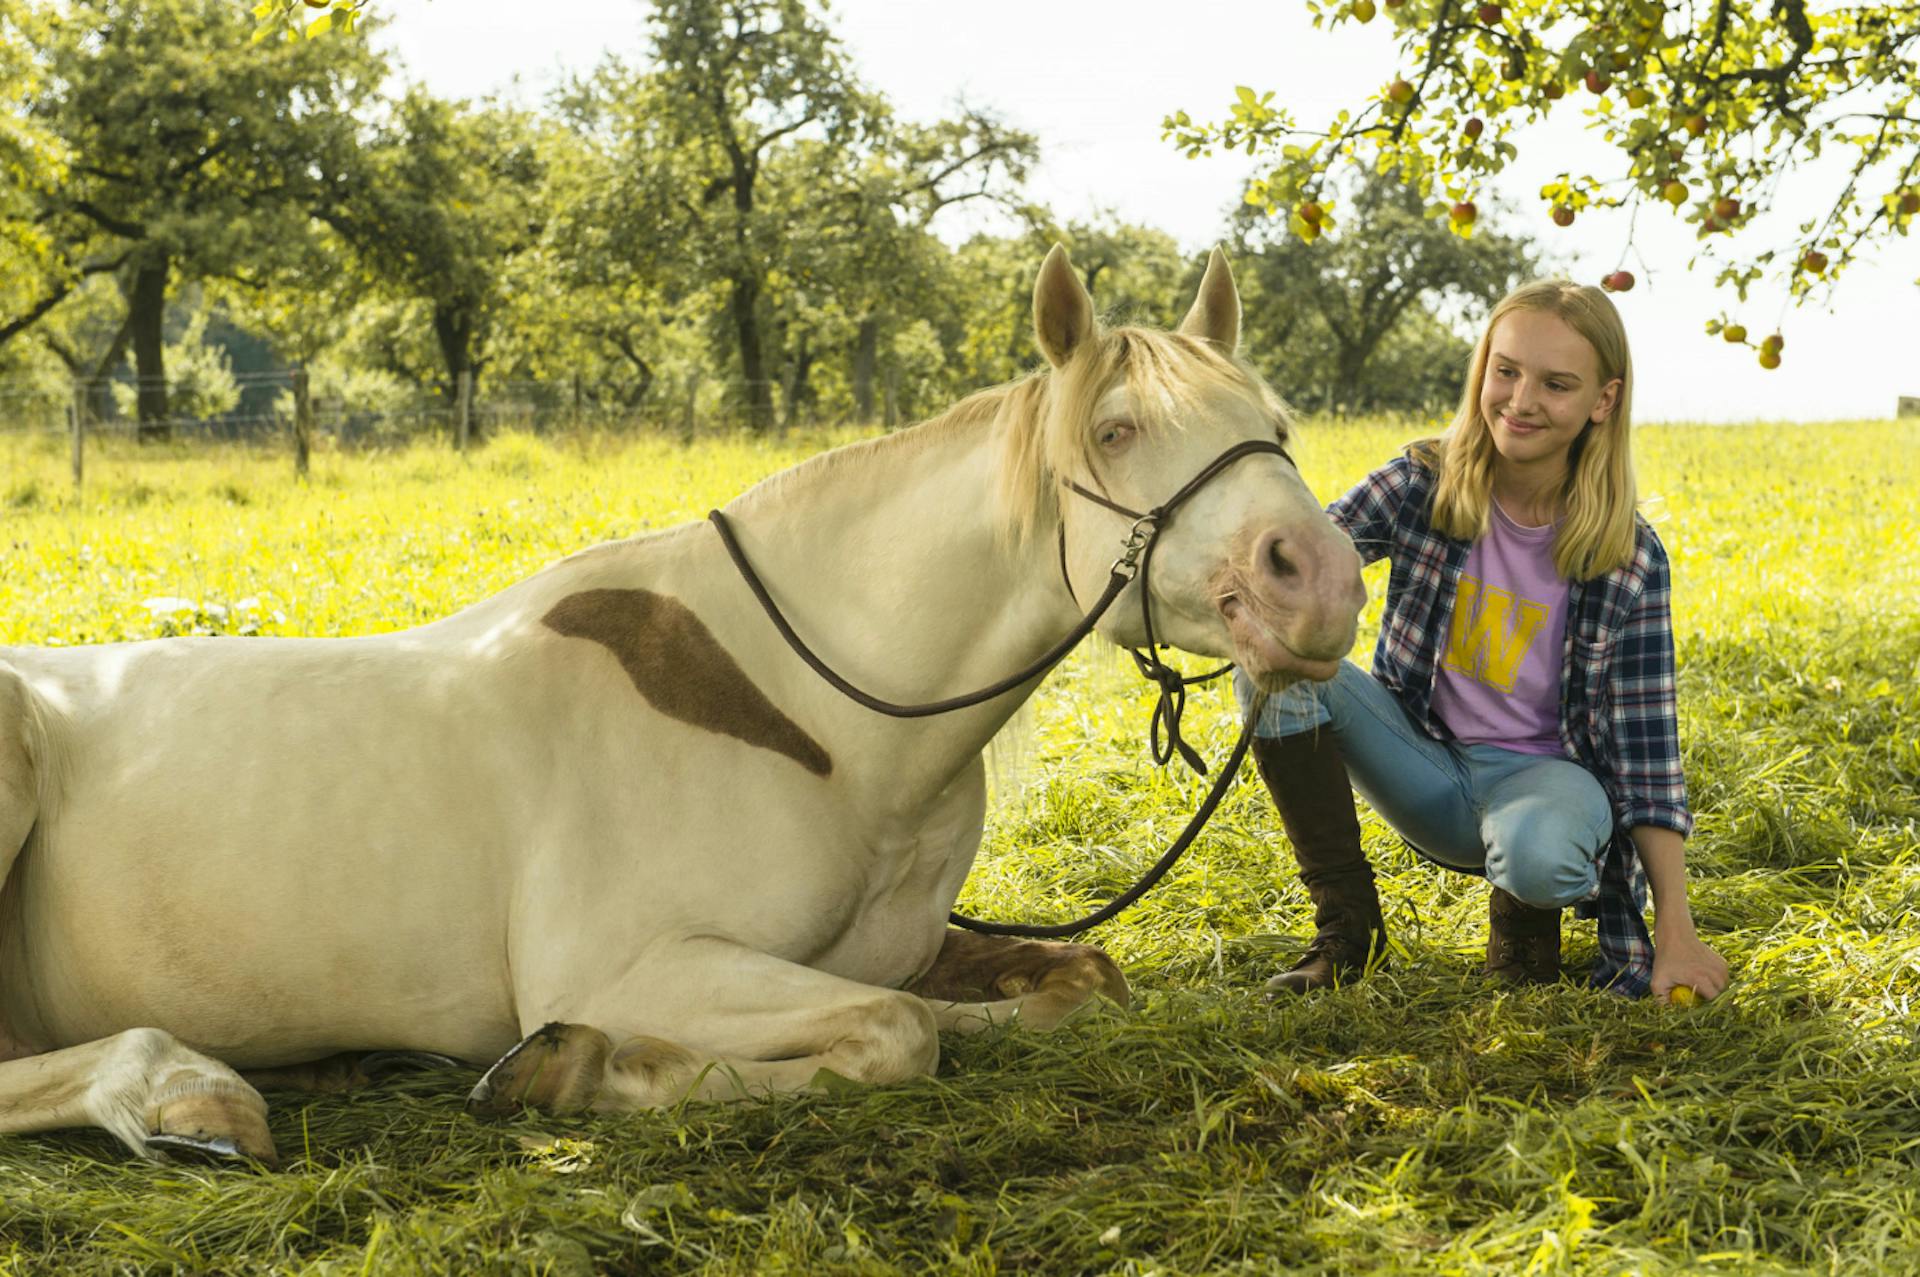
[[77, 424], [693, 394], [463, 410], [302, 422]]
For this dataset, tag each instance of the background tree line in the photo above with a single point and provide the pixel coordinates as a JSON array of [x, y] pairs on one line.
[[181, 206]]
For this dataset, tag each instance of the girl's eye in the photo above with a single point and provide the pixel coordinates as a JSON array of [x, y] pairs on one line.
[[1555, 387], [1113, 435]]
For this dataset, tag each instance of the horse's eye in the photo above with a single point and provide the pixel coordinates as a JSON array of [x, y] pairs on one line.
[[1113, 435]]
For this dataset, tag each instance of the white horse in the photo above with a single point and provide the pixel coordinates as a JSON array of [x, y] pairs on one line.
[[610, 800]]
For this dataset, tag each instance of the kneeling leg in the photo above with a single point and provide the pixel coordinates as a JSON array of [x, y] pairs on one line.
[[982, 980], [711, 1019], [153, 1094]]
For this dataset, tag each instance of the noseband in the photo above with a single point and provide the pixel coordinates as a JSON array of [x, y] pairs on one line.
[[1136, 556]]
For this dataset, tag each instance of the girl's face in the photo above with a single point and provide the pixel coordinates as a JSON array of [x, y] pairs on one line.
[[1542, 388]]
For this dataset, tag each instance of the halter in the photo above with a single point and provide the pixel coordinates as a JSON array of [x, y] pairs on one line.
[[1136, 557]]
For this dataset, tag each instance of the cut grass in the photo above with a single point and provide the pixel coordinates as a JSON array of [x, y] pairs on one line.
[[1416, 1122]]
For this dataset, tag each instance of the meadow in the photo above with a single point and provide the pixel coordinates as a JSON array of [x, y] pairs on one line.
[[1420, 1121]]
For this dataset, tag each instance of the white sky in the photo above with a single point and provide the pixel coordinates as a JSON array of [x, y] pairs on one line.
[[1093, 81]]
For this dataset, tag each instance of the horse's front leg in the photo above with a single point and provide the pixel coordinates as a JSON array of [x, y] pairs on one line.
[[711, 1019], [979, 981]]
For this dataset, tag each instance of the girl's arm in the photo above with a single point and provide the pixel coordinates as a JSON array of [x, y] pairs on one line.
[[1680, 956], [1367, 513]]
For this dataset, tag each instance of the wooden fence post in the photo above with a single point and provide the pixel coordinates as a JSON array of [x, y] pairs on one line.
[[302, 422], [77, 424], [463, 410]]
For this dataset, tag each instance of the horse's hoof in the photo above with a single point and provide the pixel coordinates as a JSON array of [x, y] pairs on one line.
[[379, 1065], [558, 1068], [212, 1126]]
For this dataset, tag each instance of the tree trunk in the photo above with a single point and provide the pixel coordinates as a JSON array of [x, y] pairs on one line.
[[753, 360], [799, 385], [866, 357], [453, 329], [147, 317]]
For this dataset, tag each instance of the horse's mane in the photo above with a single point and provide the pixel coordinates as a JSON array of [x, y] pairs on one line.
[[1041, 421]]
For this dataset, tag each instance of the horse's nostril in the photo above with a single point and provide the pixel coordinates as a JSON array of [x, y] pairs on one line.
[[1278, 563]]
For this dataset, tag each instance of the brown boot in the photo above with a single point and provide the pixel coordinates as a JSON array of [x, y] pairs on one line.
[[1523, 943], [1308, 781]]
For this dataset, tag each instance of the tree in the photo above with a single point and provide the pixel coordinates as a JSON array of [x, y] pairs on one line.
[[1710, 107], [444, 198], [193, 153], [1332, 323]]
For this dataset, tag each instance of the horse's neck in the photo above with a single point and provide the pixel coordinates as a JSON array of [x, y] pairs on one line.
[[889, 564]]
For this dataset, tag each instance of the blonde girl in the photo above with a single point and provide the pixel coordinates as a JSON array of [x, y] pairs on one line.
[[1519, 721]]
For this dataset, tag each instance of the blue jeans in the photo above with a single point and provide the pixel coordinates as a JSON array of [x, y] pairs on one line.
[[1534, 825]]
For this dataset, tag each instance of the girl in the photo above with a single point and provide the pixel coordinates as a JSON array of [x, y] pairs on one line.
[[1519, 722]]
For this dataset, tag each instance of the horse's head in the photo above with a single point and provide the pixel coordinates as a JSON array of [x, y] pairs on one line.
[[1248, 566]]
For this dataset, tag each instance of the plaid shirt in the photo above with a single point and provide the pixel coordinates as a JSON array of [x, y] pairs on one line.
[[1617, 701]]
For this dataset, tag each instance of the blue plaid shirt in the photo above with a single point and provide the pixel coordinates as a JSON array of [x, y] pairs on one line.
[[1617, 698]]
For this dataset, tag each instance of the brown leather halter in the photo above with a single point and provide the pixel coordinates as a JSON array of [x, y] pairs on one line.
[[1135, 559]]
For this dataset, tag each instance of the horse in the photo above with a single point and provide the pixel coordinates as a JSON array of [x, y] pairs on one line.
[[605, 828]]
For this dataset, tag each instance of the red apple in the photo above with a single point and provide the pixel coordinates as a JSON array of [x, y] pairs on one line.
[[1726, 208], [1910, 203], [1562, 215], [1464, 212], [1815, 261], [1474, 127], [1555, 90], [1597, 83], [1490, 14], [1618, 282], [1309, 213]]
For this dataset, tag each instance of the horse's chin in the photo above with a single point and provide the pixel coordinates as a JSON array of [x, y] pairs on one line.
[[1266, 658]]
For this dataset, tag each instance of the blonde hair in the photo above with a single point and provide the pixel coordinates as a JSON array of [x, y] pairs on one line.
[[1599, 497]]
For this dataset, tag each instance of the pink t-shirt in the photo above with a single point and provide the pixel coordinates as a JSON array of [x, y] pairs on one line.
[[1498, 682]]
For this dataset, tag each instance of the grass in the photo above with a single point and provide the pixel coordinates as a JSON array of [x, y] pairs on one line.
[[1417, 1122]]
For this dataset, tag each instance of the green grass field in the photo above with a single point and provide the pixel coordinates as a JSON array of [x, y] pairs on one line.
[[1420, 1121]]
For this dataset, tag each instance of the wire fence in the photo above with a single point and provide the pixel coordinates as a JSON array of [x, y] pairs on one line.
[[302, 412]]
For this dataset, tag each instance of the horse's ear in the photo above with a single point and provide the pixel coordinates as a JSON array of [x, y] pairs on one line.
[[1215, 316], [1062, 311]]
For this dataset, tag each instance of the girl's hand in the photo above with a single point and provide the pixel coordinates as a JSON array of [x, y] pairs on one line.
[[1687, 960]]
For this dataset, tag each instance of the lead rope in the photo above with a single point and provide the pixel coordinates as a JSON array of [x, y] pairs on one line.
[[1134, 558]]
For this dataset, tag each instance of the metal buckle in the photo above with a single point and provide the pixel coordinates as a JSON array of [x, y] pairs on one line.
[[1143, 530]]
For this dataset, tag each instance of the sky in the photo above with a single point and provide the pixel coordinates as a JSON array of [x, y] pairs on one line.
[[1093, 81]]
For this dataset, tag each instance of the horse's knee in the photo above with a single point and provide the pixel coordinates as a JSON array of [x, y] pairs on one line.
[[891, 1039]]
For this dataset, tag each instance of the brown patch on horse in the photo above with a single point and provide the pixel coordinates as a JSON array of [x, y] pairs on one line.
[[681, 669]]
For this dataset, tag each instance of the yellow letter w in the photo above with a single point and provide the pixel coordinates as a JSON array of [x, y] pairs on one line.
[[1491, 633]]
